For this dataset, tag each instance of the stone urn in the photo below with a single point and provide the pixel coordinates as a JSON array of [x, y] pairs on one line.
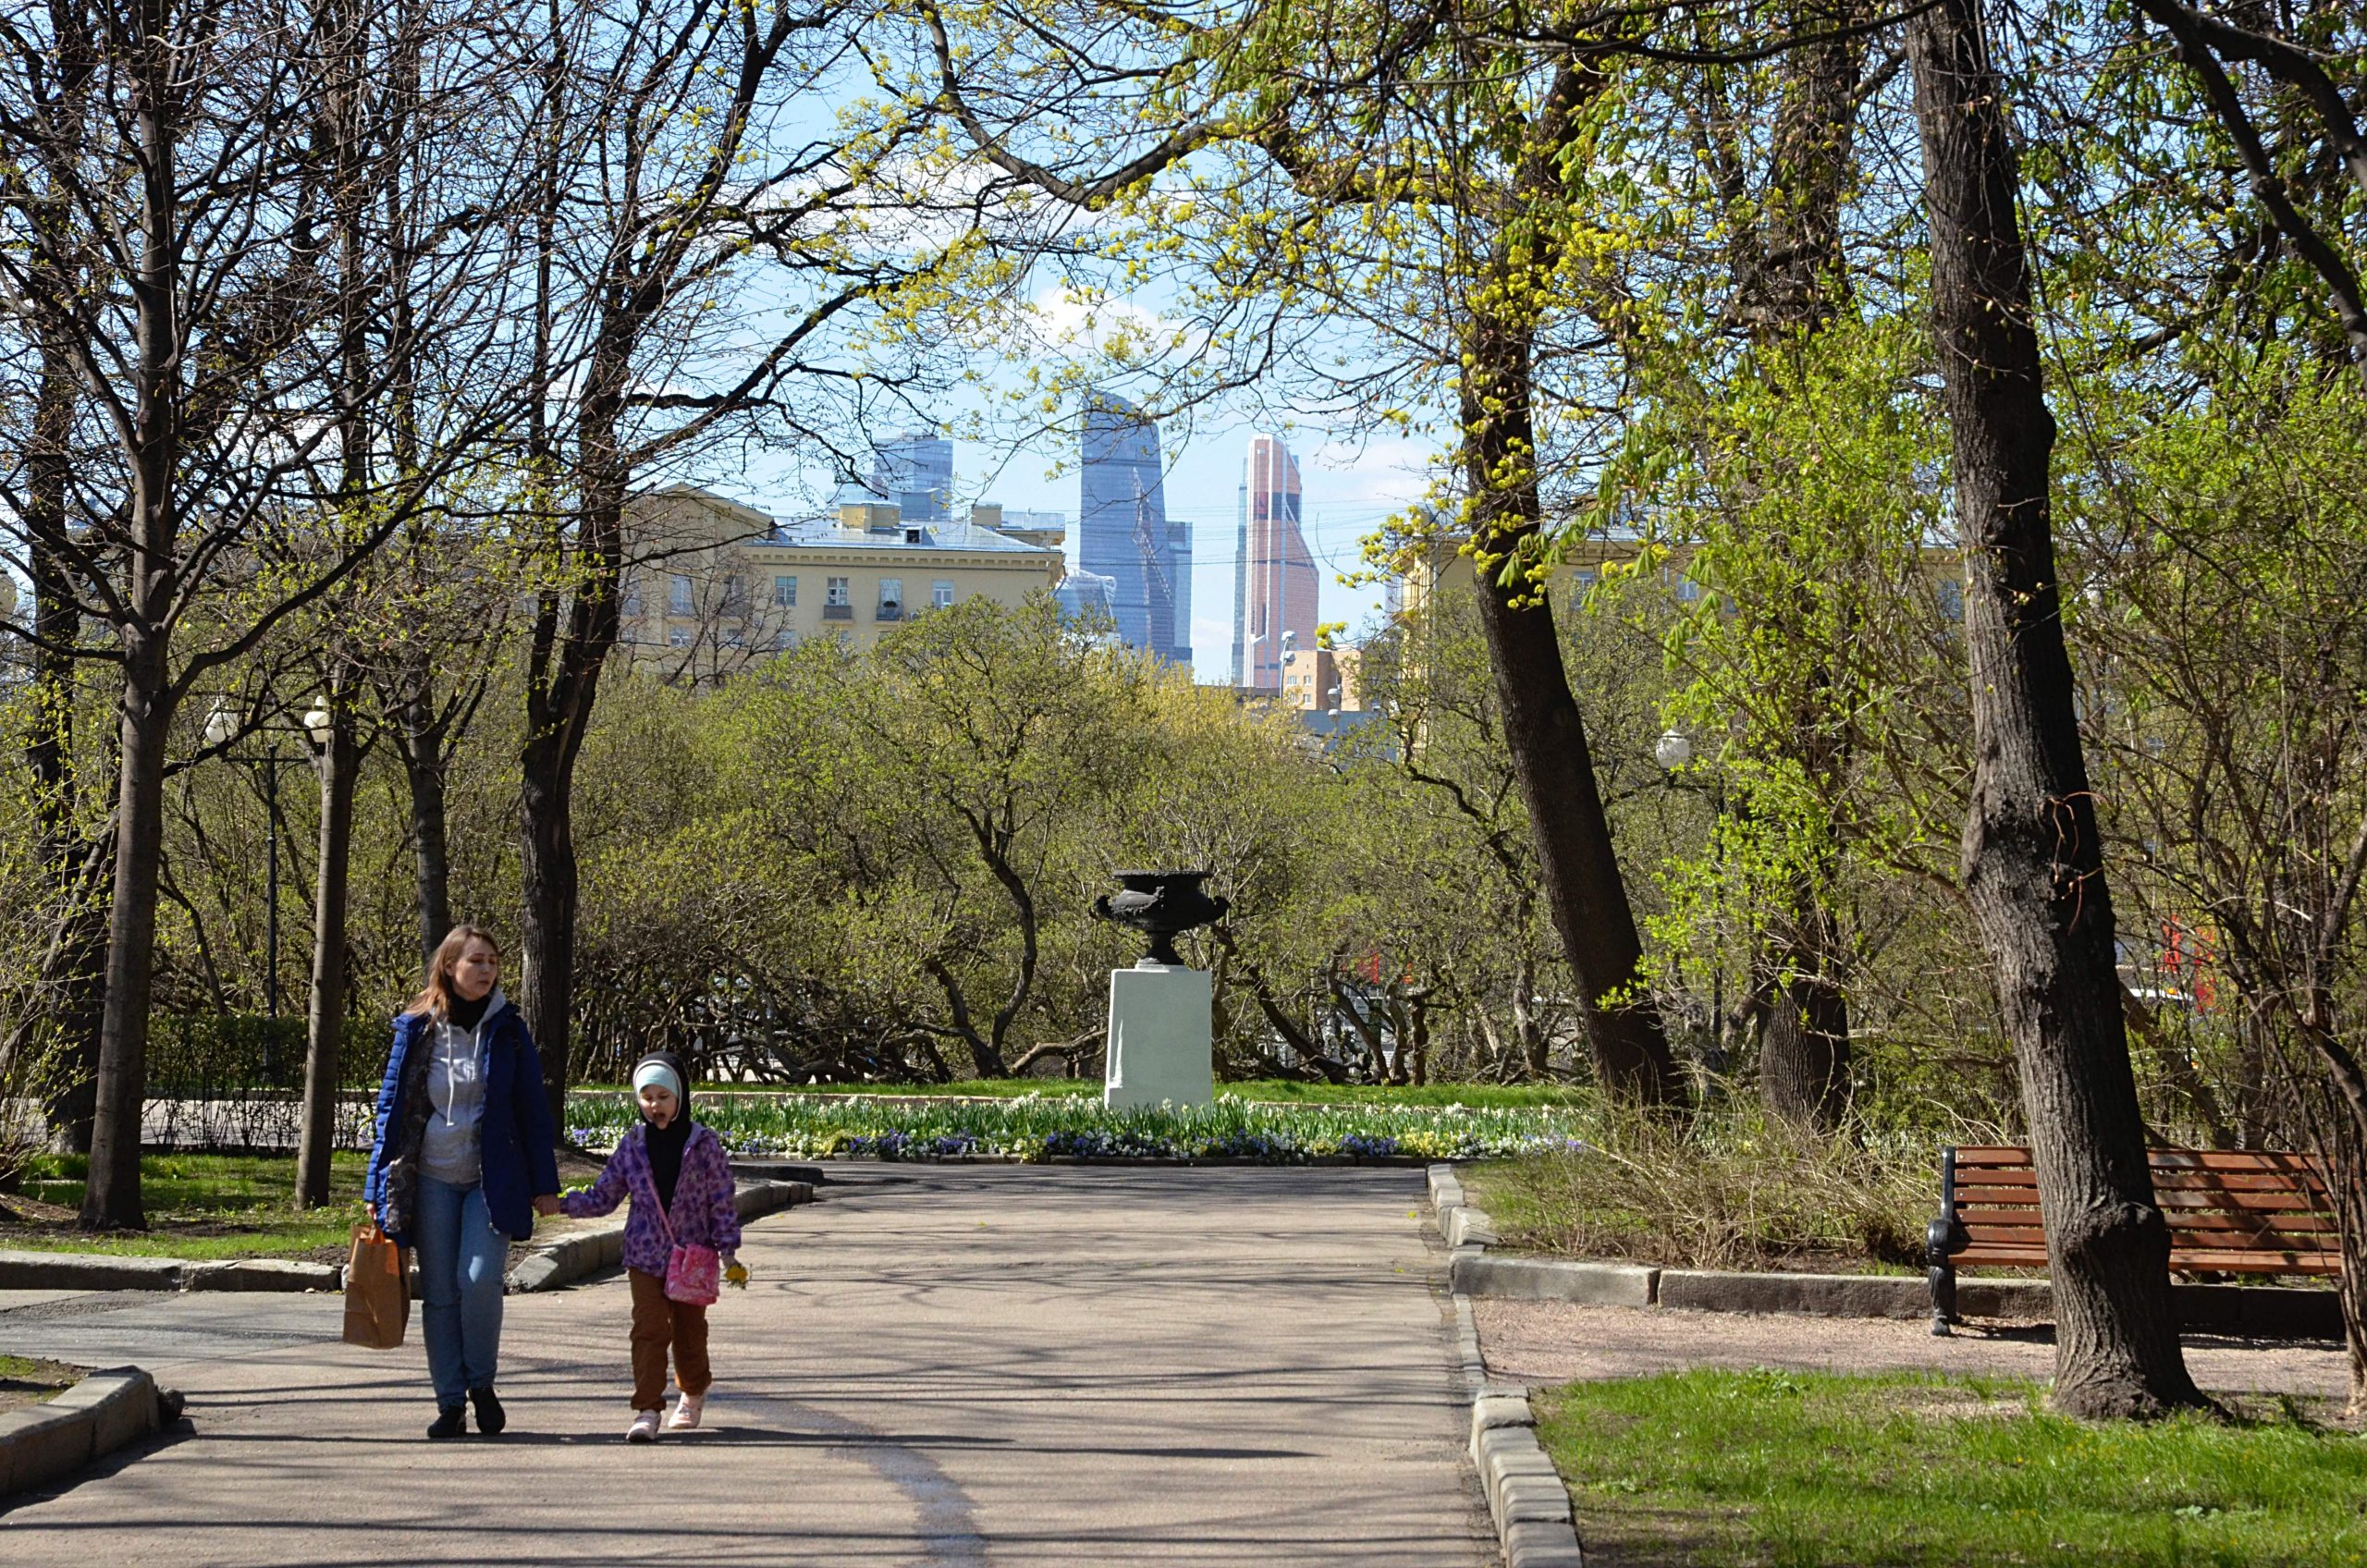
[[1162, 905]]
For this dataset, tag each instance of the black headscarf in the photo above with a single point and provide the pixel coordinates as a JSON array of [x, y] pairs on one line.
[[665, 1144]]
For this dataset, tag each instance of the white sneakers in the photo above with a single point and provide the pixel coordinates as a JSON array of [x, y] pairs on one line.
[[643, 1428], [686, 1412]]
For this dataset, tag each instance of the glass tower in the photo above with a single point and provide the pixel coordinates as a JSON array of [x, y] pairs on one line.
[[1122, 532], [1275, 583], [914, 472]]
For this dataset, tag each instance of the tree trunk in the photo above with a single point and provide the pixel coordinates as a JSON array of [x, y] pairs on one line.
[[547, 945], [339, 766], [111, 1196], [2032, 859], [1804, 1066], [422, 741], [1545, 734]]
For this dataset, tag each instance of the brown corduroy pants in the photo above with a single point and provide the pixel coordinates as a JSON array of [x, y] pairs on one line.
[[659, 1322]]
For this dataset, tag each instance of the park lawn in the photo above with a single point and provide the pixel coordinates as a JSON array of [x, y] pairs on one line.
[[200, 1206], [1275, 1090], [1762, 1469], [26, 1380]]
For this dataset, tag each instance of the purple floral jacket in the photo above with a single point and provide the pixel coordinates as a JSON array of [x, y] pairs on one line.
[[704, 1213]]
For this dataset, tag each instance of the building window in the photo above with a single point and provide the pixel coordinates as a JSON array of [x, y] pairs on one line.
[[680, 637], [628, 604], [678, 595], [940, 595], [892, 598], [1687, 590], [735, 595], [785, 593], [837, 604], [1951, 598]]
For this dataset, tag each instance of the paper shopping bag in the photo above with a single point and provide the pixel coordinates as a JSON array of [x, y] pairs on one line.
[[377, 1303]]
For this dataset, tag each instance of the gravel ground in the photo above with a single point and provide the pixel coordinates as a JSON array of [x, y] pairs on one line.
[[1535, 1341]]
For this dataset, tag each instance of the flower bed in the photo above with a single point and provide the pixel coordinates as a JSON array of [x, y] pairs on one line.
[[1036, 1127]]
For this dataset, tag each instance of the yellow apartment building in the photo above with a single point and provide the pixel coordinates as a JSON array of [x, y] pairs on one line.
[[713, 586], [1321, 680]]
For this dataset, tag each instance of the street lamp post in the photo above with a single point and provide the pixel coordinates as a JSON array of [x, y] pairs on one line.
[[221, 726]]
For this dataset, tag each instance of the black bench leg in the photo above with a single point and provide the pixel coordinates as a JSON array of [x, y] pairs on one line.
[[1941, 1240], [1944, 1296]]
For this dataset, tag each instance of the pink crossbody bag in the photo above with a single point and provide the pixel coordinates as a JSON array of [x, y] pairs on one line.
[[693, 1273]]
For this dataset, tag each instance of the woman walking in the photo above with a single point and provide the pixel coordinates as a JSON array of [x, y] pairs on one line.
[[462, 1163]]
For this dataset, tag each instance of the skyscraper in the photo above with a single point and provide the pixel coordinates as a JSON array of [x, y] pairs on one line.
[[1122, 532], [1275, 585], [913, 471]]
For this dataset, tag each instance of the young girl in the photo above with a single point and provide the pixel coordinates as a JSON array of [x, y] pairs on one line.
[[680, 1181]]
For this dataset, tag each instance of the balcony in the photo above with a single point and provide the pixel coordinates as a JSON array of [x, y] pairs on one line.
[[891, 612], [838, 612]]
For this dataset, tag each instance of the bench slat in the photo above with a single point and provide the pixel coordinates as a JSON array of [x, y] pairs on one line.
[[1990, 1218], [2220, 1181], [2200, 1260], [2245, 1161], [2242, 1160], [2257, 1262], [2221, 1197], [2163, 1180]]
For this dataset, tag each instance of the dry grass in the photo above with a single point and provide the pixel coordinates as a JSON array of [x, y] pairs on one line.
[[1731, 1189]]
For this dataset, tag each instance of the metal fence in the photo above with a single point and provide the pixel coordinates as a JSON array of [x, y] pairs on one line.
[[230, 1081]]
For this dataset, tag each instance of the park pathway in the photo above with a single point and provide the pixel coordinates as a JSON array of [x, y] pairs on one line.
[[979, 1366]]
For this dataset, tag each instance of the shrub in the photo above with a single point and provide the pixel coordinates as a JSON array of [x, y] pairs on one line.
[[1732, 1188]]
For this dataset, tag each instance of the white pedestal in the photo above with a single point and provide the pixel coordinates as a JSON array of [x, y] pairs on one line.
[[1158, 1037]]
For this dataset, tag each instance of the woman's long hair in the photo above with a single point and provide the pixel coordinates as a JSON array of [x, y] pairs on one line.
[[436, 1000]]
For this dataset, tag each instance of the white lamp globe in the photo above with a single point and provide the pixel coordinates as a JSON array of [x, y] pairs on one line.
[[317, 722], [220, 725], [1672, 749]]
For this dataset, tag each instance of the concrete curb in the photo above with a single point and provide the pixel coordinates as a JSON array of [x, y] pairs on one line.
[[565, 1261], [263, 1274], [87, 1272], [104, 1271], [1527, 1501], [47, 1442], [2228, 1309]]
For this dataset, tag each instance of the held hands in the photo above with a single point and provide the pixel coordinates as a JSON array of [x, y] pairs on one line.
[[547, 1205], [735, 1273]]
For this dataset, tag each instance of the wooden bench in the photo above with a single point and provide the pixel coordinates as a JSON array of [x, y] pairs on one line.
[[2230, 1212]]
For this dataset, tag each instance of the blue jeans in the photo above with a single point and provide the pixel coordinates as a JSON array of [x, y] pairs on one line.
[[462, 1264]]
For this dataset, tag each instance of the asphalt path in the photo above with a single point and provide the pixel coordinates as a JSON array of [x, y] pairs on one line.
[[955, 1367]]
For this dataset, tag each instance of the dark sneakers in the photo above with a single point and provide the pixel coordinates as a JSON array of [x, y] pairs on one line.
[[449, 1423], [490, 1417]]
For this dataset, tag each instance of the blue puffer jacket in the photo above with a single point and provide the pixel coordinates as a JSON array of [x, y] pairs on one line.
[[519, 1161]]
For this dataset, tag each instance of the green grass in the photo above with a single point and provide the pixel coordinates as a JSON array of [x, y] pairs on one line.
[[1279, 1090], [27, 1380], [1802, 1470], [200, 1206]]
